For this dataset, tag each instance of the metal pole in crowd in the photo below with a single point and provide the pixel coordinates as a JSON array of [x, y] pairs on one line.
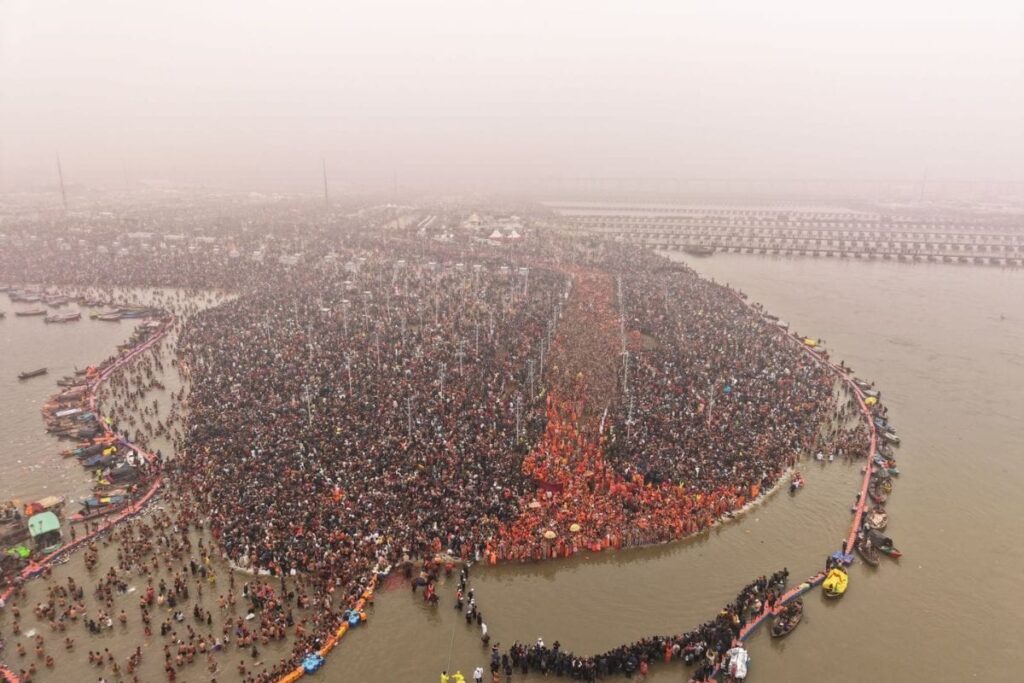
[[348, 366], [519, 414], [529, 365], [408, 415], [629, 420]]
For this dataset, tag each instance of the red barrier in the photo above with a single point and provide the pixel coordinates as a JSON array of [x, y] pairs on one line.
[[815, 580], [36, 568]]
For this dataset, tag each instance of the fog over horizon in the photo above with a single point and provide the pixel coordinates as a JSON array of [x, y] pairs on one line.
[[485, 94]]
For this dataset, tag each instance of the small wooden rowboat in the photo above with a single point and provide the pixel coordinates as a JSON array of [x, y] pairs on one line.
[[788, 619]]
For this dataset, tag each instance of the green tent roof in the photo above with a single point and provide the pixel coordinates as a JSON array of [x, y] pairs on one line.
[[42, 523]]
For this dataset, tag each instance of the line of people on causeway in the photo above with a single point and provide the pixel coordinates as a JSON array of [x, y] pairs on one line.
[[705, 649]]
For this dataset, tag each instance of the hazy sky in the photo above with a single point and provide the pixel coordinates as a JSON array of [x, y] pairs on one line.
[[253, 93]]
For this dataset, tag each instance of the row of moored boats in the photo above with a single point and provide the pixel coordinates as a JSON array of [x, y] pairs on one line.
[[117, 471]]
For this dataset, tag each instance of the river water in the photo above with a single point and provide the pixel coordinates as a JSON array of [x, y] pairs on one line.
[[30, 466], [945, 345]]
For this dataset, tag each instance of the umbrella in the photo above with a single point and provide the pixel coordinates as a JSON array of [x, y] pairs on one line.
[[575, 528], [550, 535], [870, 401]]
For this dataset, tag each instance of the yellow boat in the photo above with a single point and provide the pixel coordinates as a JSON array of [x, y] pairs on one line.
[[835, 583]]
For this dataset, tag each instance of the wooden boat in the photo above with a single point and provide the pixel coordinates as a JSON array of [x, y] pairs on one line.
[[788, 619], [122, 474], [109, 317], [891, 552], [100, 460], [883, 543], [868, 553], [92, 513], [13, 531], [877, 495], [877, 519], [29, 374], [52, 504], [31, 312], [68, 317], [113, 495]]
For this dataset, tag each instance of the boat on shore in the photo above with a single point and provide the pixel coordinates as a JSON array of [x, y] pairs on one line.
[[22, 296], [13, 531], [30, 312], [94, 507], [29, 374], [109, 317]]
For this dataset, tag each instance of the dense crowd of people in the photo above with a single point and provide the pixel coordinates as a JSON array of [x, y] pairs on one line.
[[385, 401], [717, 398]]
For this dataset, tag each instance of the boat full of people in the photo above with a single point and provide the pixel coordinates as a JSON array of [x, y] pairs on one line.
[[788, 618]]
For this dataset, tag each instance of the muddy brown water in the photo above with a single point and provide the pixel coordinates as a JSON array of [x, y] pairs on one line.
[[945, 345]]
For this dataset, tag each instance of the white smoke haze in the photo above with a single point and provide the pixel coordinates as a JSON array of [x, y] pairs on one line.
[[485, 94]]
